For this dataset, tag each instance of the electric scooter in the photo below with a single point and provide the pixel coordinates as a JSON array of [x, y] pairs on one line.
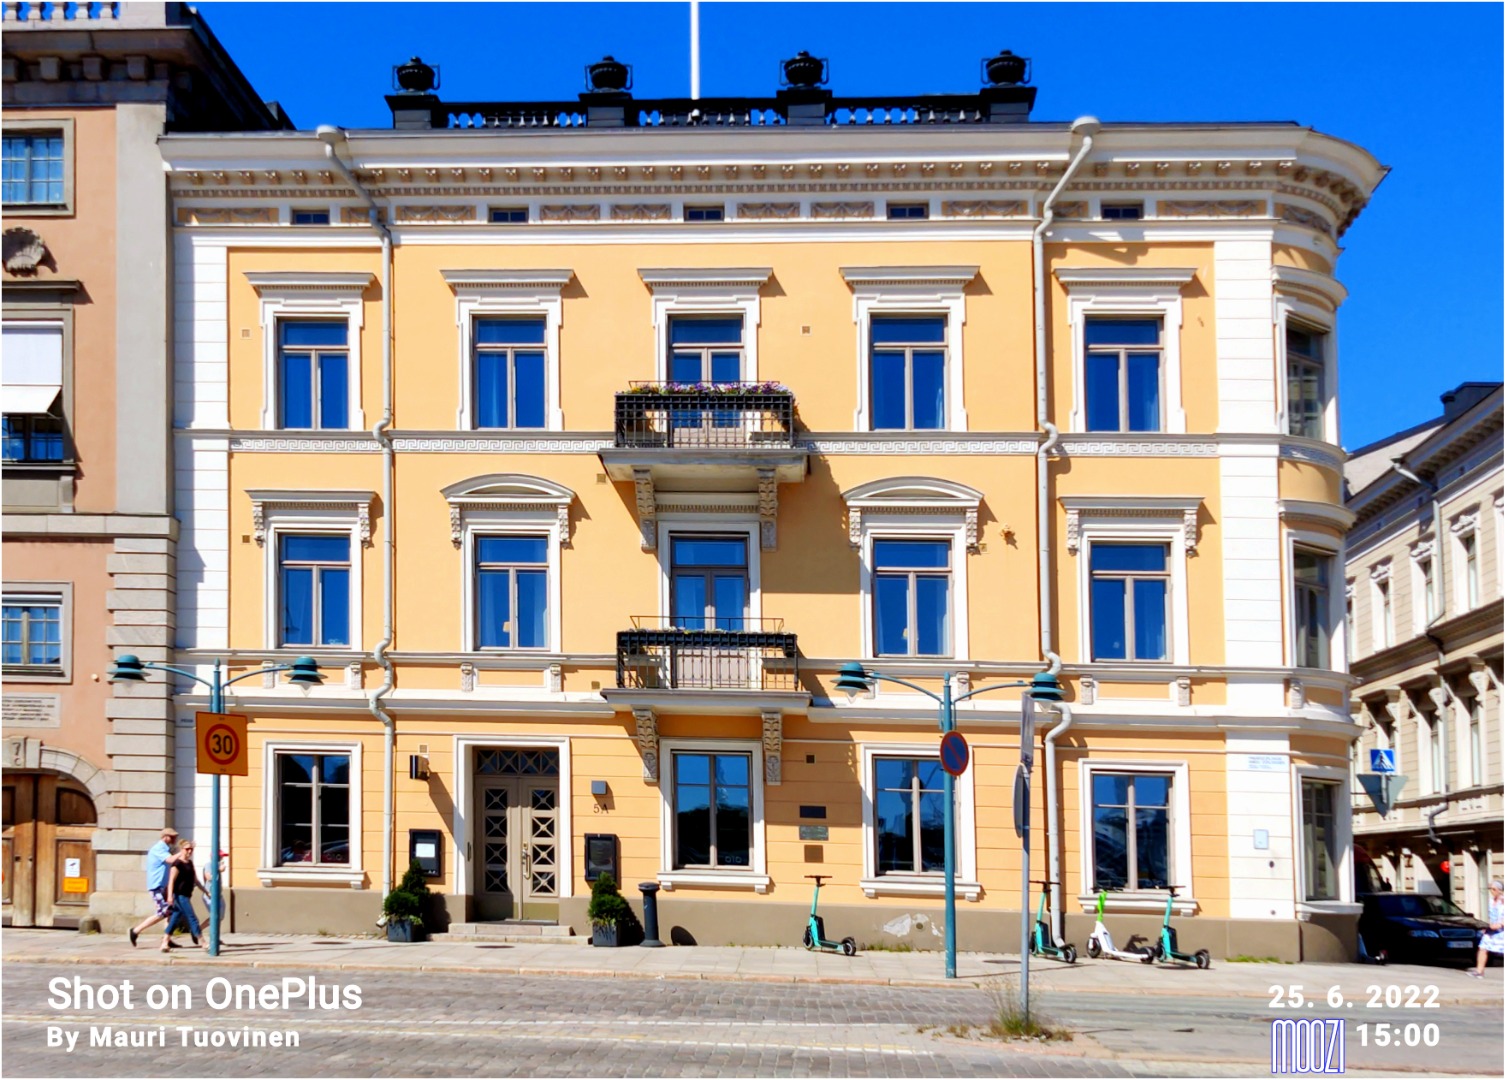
[[1101, 942], [815, 930], [1165, 949], [1042, 942]]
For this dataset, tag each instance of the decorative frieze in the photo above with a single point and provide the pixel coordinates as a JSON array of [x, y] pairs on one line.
[[773, 746], [292, 500], [1299, 215], [768, 211], [1153, 508], [640, 212], [984, 208], [1182, 208], [228, 215], [442, 214], [570, 212], [824, 210]]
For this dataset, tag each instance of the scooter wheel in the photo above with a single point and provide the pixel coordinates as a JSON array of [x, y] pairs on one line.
[[1204, 959], [1094, 950], [848, 946], [1069, 954], [1149, 956], [808, 940]]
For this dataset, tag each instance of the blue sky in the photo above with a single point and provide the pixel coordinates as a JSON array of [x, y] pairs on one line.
[[1418, 85]]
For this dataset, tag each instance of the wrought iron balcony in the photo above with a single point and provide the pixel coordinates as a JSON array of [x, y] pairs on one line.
[[707, 654], [727, 416]]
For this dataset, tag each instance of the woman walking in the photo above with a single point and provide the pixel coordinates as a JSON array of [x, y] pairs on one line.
[[181, 883], [1493, 939]]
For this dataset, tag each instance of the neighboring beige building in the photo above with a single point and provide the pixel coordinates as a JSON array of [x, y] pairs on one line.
[[1424, 611], [90, 537], [584, 471]]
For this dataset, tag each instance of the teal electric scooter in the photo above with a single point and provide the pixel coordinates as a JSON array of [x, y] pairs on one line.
[[1165, 948], [1101, 942], [815, 931], [1042, 942]]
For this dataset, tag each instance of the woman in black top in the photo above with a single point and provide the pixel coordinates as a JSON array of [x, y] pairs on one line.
[[181, 882]]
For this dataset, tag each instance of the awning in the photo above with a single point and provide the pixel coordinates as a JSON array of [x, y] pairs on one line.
[[28, 400]]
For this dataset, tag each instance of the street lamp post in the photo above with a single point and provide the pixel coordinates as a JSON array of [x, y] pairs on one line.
[[130, 668], [853, 679]]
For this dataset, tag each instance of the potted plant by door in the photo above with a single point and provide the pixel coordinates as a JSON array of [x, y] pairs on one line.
[[609, 913], [404, 906]]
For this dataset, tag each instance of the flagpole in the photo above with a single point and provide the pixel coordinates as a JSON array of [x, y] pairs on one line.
[[695, 50]]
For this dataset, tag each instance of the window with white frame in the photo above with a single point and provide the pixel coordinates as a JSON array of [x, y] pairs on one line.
[[1130, 604], [1425, 588], [1306, 396], [1476, 741], [914, 535], [35, 630], [1468, 558], [1133, 842], [1434, 727], [1383, 615], [1306, 305], [1126, 351], [909, 338], [37, 166], [1311, 570], [312, 542], [35, 367], [712, 826], [706, 322], [510, 529], [706, 349], [311, 332], [1123, 374], [311, 812], [903, 822], [1350, 641], [1319, 839], [509, 326], [708, 582]]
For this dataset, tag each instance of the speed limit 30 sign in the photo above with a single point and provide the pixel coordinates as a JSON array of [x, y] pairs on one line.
[[221, 739]]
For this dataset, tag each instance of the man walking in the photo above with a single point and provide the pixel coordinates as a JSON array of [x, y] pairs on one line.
[[159, 860]]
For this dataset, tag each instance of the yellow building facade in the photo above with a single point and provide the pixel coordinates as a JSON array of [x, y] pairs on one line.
[[582, 457]]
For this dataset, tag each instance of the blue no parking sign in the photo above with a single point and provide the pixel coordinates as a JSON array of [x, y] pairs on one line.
[[954, 753]]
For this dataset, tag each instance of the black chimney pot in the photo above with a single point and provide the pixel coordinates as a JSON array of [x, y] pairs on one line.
[[416, 77], [1006, 69]]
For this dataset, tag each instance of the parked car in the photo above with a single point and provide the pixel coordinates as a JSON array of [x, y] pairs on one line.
[[1418, 928]]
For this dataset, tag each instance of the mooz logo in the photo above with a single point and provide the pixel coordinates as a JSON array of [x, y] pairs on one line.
[[1307, 1046]]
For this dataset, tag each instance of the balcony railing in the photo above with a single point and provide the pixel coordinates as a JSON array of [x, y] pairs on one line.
[[754, 655], [725, 416]]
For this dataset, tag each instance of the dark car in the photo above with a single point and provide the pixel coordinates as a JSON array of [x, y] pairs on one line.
[[1414, 928]]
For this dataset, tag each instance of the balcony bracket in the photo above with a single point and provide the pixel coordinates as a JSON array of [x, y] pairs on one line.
[[647, 740], [768, 510], [642, 482], [773, 746]]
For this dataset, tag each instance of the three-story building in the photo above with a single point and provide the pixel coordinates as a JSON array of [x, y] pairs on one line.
[[583, 441]]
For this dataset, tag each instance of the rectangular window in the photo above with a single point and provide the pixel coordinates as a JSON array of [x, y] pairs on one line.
[[1384, 622], [712, 811], [909, 372], [1310, 570], [314, 375], [1123, 211], [509, 373], [314, 573], [908, 211], [1319, 840], [33, 632], [1123, 375], [1351, 643], [1428, 589], [1131, 831], [313, 809], [33, 169], [705, 349], [708, 582], [1130, 599], [1436, 726], [1469, 542], [310, 217], [705, 213], [33, 419], [512, 592], [1304, 364], [912, 597], [1476, 742], [508, 215], [909, 815]]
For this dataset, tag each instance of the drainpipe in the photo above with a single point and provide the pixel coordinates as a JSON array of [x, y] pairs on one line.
[[1087, 127], [333, 137], [1053, 816]]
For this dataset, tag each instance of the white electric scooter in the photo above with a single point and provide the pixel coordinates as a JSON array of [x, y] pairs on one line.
[[1100, 944]]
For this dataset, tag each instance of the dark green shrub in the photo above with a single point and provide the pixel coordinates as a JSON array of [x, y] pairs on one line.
[[408, 899], [608, 907]]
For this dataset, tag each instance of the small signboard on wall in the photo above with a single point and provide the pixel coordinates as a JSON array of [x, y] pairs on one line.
[[601, 856], [424, 845]]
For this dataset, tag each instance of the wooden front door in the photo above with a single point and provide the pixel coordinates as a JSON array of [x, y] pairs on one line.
[[516, 851], [48, 854]]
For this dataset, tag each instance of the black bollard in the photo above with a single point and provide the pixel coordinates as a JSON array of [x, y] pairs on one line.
[[649, 889]]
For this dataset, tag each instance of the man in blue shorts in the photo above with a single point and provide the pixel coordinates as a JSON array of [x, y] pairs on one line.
[[159, 860]]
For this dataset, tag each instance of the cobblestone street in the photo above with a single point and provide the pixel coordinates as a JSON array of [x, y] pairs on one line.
[[429, 1023]]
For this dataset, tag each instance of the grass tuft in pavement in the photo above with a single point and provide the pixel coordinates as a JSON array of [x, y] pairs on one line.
[[1009, 1020]]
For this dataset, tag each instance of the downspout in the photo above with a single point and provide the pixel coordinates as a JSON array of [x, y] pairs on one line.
[[332, 137], [1087, 127]]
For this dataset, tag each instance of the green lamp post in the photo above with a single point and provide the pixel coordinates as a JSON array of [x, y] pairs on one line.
[[853, 679], [129, 668]]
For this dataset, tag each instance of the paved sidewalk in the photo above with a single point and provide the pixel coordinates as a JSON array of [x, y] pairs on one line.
[[778, 965]]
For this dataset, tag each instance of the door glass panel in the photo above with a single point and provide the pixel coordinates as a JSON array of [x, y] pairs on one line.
[[726, 367], [685, 368]]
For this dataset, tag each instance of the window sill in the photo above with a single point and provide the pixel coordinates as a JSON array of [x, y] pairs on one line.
[[917, 885], [1305, 909], [25, 673], [725, 879], [1128, 902], [272, 876], [38, 209]]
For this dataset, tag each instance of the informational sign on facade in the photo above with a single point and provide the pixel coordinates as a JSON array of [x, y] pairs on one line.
[[1382, 761]]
